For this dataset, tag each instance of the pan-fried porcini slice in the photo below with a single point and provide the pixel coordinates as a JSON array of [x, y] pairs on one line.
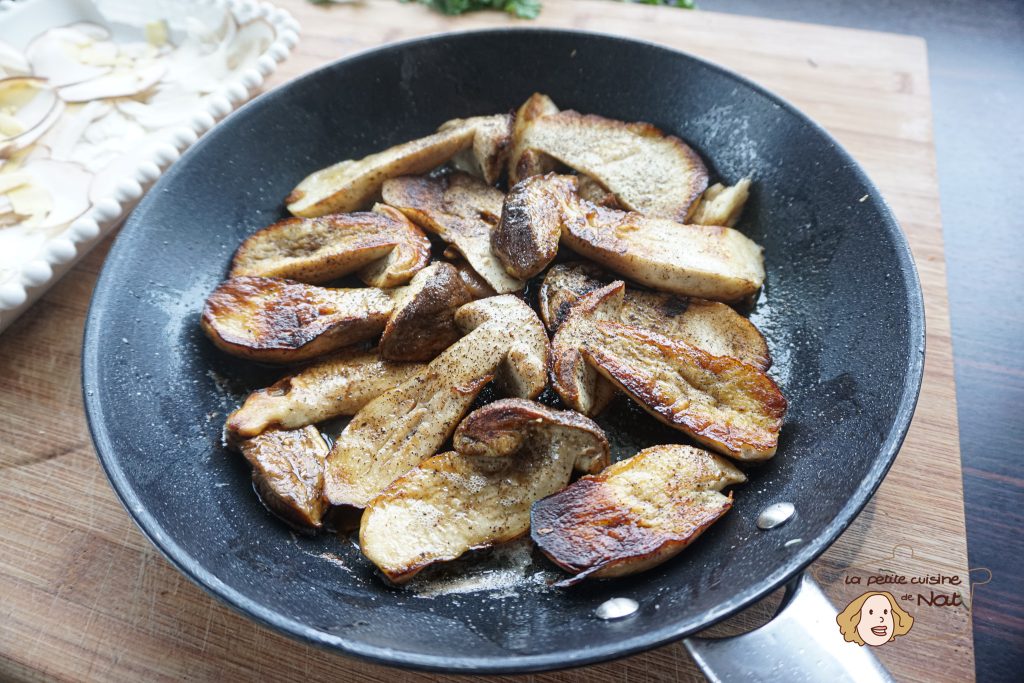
[[721, 205], [462, 211], [487, 156], [404, 426], [340, 384], [636, 514], [725, 404], [352, 184], [647, 170], [526, 238], [281, 321], [579, 386], [382, 245], [708, 325], [507, 455], [423, 322], [288, 473], [523, 162]]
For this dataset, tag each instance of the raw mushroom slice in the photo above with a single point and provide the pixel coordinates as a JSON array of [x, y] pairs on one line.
[[121, 82], [423, 322], [350, 184], [282, 321], [725, 404], [53, 55], [532, 215], [487, 156], [636, 514], [647, 170], [28, 108], [507, 455], [708, 325], [382, 245], [524, 162], [249, 42], [339, 384], [462, 211], [52, 194], [288, 474], [404, 426], [721, 205], [12, 61]]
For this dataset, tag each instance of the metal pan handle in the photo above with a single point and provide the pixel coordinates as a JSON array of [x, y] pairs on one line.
[[798, 644]]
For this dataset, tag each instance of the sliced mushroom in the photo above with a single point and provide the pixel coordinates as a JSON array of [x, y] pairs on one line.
[[507, 455], [407, 424], [121, 82], [487, 157], [708, 325], [282, 321], [647, 170], [288, 474], [476, 285], [595, 193], [49, 194], [526, 238], [28, 108], [382, 245], [462, 211], [350, 184], [723, 403], [524, 162], [636, 514], [52, 55], [423, 322], [721, 205], [340, 384]]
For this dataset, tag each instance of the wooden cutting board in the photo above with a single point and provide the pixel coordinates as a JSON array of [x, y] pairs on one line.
[[83, 595]]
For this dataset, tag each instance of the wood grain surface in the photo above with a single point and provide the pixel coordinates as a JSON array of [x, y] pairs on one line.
[[83, 595]]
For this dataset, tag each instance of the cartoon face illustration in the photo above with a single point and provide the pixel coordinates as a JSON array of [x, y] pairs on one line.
[[874, 619]]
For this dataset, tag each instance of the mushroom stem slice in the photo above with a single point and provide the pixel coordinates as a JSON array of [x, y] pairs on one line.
[[340, 384], [634, 515], [423, 322], [524, 162], [383, 245], [487, 157], [281, 321], [526, 238], [507, 455], [729, 406], [288, 474], [721, 205], [462, 211]]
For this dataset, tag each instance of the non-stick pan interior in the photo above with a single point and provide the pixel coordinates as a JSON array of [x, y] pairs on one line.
[[841, 310]]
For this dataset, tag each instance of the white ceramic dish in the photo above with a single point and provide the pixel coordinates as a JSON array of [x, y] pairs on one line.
[[20, 22]]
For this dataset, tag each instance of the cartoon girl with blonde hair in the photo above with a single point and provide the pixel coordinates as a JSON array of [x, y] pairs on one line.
[[874, 619]]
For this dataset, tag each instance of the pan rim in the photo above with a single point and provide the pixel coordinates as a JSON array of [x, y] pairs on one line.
[[96, 414]]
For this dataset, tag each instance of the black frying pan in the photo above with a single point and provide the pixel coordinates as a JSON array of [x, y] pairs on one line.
[[841, 310]]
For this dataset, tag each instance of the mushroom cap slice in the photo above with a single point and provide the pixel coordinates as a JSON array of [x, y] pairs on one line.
[[507, 455], [462, 211], [281, 321], [723, 403], [476, 285], [382, 245], [636, 514], [579, 385], [423, 322], [351, 184], [404, 426], [526, 238], [708, 325], [647, 170], [339, 384], [288, 474], [487, 156]]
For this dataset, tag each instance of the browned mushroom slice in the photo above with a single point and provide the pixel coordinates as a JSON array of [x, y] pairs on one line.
[[340, 384], [407, 424], [595, 193], [382, 245], [708, 325], [524, 162], [507, 455], [646, 169], [476, 285], [728, 405], [526, 238], [423, 322], [721, 205], [281, 321], [288, 473], [636, 514], [579, 385], [462, 211], [488, 155]]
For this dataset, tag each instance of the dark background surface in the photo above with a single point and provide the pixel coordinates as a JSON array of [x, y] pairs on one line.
[[976, 60]]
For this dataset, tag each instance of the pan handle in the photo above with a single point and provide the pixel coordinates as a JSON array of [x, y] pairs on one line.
[[799, 644]]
